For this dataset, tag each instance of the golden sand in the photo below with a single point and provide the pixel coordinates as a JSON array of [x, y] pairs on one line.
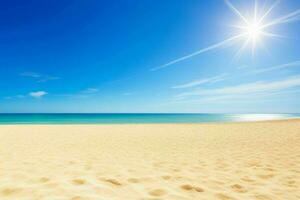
[[257, 161]]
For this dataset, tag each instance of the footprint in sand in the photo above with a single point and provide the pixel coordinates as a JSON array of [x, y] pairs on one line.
[[78, 181], [188, 187], [79, 198], [166, 177], [247, 179], [139, 180], [289, 182], [113, 182], [71, 162], [157, 192], [76, 198], [265, 176], [222, 196], [176, 170], [269, 169], [254, 163], [44, 180], [238, 188], [262, 197], [133, 180], [9, 191]]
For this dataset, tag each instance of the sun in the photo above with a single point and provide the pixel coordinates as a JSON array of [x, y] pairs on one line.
[[253, 34], [254, 29]]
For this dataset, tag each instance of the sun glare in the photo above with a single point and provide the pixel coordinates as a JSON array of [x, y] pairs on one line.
[[254, 29]]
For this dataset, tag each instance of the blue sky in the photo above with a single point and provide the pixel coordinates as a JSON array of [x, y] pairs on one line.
[[147, 56]]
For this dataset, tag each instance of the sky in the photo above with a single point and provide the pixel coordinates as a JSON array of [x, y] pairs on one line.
[[149, 56]]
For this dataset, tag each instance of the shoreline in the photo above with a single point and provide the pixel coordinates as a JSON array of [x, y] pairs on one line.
[[163, 123]]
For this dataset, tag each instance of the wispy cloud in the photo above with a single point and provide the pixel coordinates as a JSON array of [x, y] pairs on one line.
[[277, 67], [241, 67], [34, 94], [248, 88], [39, 77], [15, 97], [209, 80], [83, 94], [90, 91], [38, 94], [201, 51], [31, 74], [217, 99], [127, 93], [76, 96]]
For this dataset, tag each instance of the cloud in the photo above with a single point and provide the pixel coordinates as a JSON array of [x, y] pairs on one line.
[[39, 77], [77, 96], [201, 51], [38, 94], [202, 81], [90, 91], [127, 93], [248, 88], [31, 74], [20, 96], [81, 94], [241, 67], [282, 66]]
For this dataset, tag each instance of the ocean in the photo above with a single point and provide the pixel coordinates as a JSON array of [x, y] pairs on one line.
[[135, 118]]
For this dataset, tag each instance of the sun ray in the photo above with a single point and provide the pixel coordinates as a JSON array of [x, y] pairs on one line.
[[264, 47], [236, 11], [253, 46], [293, 16], [255, 11], [239, 27], [268, 11], [272, 34], [239, 52]]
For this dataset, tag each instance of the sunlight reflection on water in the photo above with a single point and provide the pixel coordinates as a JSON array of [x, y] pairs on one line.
[[261, 117]]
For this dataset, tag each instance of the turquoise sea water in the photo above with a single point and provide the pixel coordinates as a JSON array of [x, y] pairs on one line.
[[135, 118]]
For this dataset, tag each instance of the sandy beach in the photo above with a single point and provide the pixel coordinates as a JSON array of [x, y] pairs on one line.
[[255, 161]]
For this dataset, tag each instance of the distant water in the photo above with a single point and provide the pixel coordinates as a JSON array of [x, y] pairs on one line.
[[135, 118]]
